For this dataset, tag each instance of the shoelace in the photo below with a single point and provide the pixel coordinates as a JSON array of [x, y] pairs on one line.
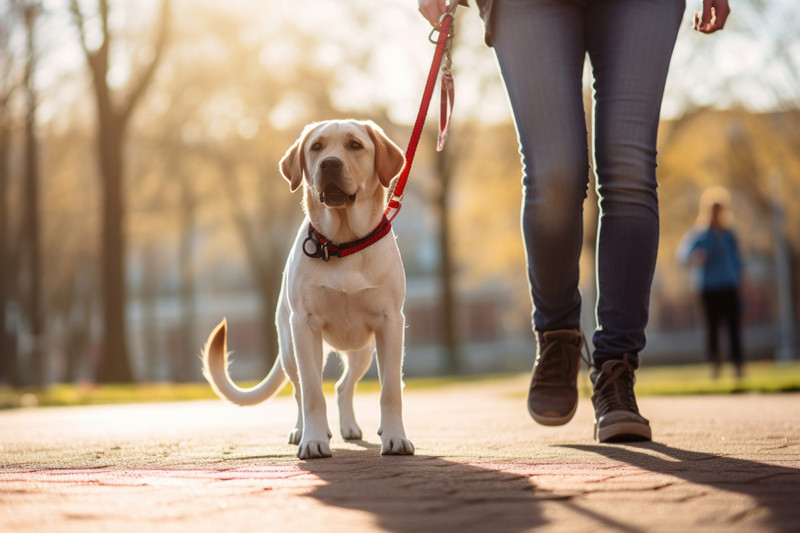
[[614, 390], [555, 366]]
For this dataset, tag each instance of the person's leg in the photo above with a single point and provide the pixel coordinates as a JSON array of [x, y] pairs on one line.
[[711, 306], [540, 51], [630, 43], [733, 319]]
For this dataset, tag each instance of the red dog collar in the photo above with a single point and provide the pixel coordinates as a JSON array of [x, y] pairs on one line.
[[323, 248]]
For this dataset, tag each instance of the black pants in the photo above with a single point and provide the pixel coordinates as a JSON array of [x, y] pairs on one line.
[[723, 305]]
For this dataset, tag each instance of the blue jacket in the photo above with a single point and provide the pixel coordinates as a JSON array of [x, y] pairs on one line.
[[722, 268]]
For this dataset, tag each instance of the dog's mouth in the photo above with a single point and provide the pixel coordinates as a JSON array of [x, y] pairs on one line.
[[333, 196]]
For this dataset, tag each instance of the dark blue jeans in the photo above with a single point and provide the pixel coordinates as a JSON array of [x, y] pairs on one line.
[[541, 46]]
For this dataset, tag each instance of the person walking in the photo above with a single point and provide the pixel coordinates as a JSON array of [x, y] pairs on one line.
[[540, 47], [711, 248]]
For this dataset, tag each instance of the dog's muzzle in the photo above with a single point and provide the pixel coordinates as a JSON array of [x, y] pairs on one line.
[[332, 194]]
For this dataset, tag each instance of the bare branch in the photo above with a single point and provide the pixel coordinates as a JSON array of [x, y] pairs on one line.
[[77, 16], [147, 75], [6, 86]]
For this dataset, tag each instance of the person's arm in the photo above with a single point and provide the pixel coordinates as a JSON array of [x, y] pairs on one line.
[[710, 19], [698, 257], [690, 250]]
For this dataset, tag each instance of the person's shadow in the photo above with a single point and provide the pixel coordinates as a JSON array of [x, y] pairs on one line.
[[417, 494], [774, 489], [410, 494]]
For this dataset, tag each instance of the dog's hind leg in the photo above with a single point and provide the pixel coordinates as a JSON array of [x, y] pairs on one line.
[[356, 364], [289, 364]]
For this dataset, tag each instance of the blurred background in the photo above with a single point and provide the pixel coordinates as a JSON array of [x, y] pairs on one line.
[[140, 199]]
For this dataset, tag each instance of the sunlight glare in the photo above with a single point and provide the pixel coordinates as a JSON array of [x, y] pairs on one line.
[[247, 128]]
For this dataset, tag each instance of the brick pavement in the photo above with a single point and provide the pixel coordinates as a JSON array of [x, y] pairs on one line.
[[717, 463]]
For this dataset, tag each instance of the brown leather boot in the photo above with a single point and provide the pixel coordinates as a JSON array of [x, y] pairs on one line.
[[553, 396], [616, 415]]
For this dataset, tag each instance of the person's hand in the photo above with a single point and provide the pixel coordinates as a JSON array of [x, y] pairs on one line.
[[711, 19], [433, 10], [698, 258]]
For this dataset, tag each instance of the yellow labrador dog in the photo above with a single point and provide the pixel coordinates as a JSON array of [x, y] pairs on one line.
[[343, 288]]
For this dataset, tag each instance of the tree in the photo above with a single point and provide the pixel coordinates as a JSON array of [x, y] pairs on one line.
[[446, 164], [7, 86], [231, 174], [113, 117], [32, 238]]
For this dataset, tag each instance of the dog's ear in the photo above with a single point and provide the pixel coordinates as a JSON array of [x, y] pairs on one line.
[[389, 158], [293, 163]]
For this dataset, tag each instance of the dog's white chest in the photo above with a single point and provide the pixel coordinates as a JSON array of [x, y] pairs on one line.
[[347, 298], [349, 306]]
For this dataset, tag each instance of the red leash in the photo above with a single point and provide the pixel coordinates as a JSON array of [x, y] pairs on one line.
[[446, 22], [316, 245]]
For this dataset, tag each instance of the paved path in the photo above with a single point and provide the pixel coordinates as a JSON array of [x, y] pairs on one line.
[[718, 463]]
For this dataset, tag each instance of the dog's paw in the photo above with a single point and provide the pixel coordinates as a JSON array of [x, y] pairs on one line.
[[295, 436], [314, 449], [396, 446], [351, 432]]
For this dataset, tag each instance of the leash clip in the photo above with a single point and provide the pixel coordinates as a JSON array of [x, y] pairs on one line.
[[320, 249], [436, 29]]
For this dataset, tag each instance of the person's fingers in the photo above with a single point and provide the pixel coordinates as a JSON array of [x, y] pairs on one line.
[[713, 17], [432, 10], [707, 16], [696, 23], [721, 12]]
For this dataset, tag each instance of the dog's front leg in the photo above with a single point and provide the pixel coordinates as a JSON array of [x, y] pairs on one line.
[[308, 351], [389, 347]]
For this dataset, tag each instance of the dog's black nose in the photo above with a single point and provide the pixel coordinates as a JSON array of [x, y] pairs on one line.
[[331, 164]]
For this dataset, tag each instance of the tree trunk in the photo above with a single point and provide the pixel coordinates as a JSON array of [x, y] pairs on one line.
[[452, 355], [112, 120], [32, 219], [78, 324], [115, 365], [153, 358], [7, 365], [188, 369]]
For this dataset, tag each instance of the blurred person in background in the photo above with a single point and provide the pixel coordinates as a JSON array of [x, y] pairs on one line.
[[712, 251]]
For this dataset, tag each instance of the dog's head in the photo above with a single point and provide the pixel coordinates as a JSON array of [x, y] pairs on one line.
[[341, 160]]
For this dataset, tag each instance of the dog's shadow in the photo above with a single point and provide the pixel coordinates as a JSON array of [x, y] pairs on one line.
[[773, 488], [421, 493]]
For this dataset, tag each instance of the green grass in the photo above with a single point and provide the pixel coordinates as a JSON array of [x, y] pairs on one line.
[[764, 377], [760, 376], [91, 394]]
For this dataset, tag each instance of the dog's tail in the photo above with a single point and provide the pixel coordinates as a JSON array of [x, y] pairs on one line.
[[215, 369]]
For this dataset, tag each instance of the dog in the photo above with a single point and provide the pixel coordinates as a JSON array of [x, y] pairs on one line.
[[352, 303]]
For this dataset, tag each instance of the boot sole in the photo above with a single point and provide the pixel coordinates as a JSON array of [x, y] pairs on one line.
[[546, 420], [623, 432]]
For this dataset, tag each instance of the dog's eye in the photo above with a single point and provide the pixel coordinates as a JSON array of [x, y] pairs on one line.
[[355, 145], [315, 147]]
